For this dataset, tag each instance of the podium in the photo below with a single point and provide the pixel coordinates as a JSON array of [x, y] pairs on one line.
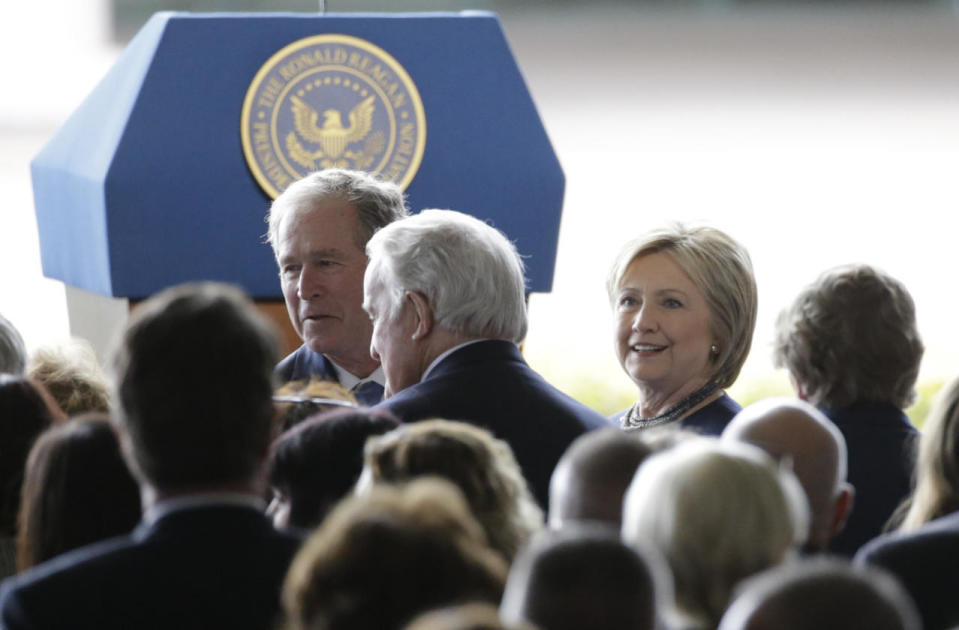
[[164, 174]]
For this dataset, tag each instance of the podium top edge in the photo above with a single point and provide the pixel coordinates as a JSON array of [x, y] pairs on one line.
[[472, 13]]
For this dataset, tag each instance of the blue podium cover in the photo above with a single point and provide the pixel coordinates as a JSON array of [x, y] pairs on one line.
[[165, 173]]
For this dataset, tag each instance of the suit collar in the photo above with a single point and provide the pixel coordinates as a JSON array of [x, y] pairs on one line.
[[204, 517], [471, 352], [162, 508], [447, 353]]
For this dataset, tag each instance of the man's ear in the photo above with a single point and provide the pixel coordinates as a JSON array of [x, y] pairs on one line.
[[422, 313], [845, 499], [126, 447], [798, 387]]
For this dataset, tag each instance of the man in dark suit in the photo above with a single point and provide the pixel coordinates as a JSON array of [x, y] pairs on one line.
[[319, 227], [205, 555], [446, 295], [925, 562]]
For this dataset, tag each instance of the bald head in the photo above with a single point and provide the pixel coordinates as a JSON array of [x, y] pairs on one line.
[[592, 476], [821, 594], [793, 430]]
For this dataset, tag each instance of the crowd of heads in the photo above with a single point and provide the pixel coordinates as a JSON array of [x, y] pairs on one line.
[[432, 524]]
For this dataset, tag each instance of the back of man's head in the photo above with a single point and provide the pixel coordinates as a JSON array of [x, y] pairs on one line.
[[469, 272], [582, 577], [793, 430], [194, 383], [591, 478], [821, 594], [317, 462]]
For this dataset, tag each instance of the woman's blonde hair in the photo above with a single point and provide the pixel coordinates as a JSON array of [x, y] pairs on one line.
[[382, 557], [937, 467], [70, 372], [482, 466], [718, 512]]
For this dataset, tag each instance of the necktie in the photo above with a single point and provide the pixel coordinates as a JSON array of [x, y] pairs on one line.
[[368, 392]]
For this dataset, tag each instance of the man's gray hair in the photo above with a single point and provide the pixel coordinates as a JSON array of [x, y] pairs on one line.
[[469, 272], [13, 354], [377, 203]]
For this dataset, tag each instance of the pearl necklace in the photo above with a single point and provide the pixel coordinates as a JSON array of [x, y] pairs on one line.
[[633, 420]]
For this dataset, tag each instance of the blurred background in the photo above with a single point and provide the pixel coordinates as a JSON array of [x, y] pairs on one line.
[[817, 134]]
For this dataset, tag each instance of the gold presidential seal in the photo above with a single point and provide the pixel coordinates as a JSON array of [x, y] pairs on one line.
[[332, 101]]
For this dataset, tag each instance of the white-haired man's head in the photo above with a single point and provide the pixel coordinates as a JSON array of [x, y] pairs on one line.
[[13, 353], [435, 280], [718, 512], [795, 430]]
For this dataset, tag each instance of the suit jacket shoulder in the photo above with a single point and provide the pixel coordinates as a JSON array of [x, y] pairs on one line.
[[925, 563], [303, 363], [879, 442], [210, 567], [490, 385]]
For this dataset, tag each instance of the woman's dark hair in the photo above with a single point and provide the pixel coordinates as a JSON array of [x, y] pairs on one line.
[[25, 411], [76, 490], [317, 462]]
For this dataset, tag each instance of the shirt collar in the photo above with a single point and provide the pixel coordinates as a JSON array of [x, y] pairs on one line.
[[350, 382], [206, 499]]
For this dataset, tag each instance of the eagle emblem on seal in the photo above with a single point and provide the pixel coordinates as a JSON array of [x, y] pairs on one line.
[[333, 138]]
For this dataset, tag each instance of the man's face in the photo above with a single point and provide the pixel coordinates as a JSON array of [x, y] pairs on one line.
[[321, 272], [392, 341]]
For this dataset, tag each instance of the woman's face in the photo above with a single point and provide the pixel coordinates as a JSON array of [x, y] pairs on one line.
[[663, 334]]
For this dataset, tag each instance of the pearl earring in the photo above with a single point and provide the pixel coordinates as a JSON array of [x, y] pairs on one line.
[[714, 349]]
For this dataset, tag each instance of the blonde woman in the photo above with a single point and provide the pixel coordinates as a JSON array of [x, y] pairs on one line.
[[684, 302]]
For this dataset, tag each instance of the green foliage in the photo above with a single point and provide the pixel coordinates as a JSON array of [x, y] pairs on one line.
[[605, 396], [749, 390], [925, 394]]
